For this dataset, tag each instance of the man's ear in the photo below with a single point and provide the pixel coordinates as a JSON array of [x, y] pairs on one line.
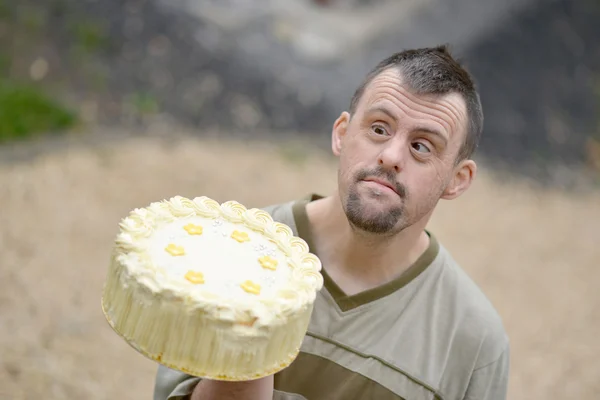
[[464, 174], [340, 127]]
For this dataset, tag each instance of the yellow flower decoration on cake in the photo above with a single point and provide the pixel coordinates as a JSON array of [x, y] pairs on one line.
[[240, 236], [195, 277], [251, 287], [193, 229], [268, 262], [175, 250]]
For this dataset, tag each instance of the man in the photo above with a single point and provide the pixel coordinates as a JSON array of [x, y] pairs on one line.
[[397, 317]]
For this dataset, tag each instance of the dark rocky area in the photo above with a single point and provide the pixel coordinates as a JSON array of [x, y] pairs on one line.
[[539, 77], [538, 69]]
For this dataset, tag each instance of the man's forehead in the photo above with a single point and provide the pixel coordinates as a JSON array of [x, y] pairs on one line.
[[392, 79], [390, 73], [391, 84]]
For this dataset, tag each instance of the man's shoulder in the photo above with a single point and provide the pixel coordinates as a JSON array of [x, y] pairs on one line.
[[283, 212], [478, 323], [278, 209]]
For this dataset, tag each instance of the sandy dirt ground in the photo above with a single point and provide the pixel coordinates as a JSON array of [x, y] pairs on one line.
[[534, 252]]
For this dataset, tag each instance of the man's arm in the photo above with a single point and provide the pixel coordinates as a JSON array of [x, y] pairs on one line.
[[174, 385], [490, 382], [259, 389], [170, 384]]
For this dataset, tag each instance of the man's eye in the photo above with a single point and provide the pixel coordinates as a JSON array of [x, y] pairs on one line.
[[379, 130], [420, 147]]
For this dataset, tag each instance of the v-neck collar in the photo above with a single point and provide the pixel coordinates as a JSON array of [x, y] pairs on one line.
[[344, 301]]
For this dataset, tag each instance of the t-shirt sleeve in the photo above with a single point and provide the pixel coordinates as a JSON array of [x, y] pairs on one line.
[[175, 385], [490, 382]]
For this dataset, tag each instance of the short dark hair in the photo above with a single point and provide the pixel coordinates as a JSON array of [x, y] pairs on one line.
[[434, 71]]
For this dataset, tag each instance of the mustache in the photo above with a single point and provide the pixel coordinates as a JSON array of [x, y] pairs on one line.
[[383, 174]]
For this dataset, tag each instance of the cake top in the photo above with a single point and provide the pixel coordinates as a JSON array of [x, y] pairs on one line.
[[234, 263]]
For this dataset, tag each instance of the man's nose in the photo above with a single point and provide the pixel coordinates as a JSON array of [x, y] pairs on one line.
[[393, 155]]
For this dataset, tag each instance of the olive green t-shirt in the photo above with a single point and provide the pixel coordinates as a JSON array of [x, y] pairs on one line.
[[429, 334]]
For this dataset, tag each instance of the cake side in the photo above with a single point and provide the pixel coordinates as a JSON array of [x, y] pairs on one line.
[[165, 332], [219, 332]]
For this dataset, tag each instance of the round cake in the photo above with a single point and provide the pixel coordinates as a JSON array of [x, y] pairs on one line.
[[214, 290]]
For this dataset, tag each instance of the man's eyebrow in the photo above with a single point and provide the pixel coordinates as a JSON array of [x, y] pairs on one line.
[[383, 110], [434, 132], [386, 111]]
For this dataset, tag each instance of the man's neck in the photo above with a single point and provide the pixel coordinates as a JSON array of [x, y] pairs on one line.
[[358, 260]]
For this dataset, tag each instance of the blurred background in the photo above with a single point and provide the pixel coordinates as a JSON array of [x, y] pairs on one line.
[[108, 105]]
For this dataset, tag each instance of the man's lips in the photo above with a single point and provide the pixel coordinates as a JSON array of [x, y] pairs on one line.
[[382, 183]]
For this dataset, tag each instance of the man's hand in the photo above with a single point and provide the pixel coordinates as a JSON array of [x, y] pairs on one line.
[[259, 389]]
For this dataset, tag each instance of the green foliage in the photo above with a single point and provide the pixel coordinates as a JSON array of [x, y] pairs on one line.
[[88, 36], [26, 112], [32, 19], [142, 103]]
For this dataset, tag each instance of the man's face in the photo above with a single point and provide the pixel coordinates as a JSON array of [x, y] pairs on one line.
[[397, 154]]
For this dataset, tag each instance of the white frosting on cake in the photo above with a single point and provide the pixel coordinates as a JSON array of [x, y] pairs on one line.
[[228, 274], [229, 261]]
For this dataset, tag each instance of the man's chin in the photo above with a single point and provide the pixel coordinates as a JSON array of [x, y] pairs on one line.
[[377, 226], [374, 205], [368, 219]]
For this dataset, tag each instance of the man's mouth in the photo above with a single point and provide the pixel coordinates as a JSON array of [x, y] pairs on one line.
[[381, 183]]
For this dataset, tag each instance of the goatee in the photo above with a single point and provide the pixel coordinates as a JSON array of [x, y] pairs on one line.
[[356, 211]]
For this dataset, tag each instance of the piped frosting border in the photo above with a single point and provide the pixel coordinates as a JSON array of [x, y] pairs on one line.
[[131, 255]]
